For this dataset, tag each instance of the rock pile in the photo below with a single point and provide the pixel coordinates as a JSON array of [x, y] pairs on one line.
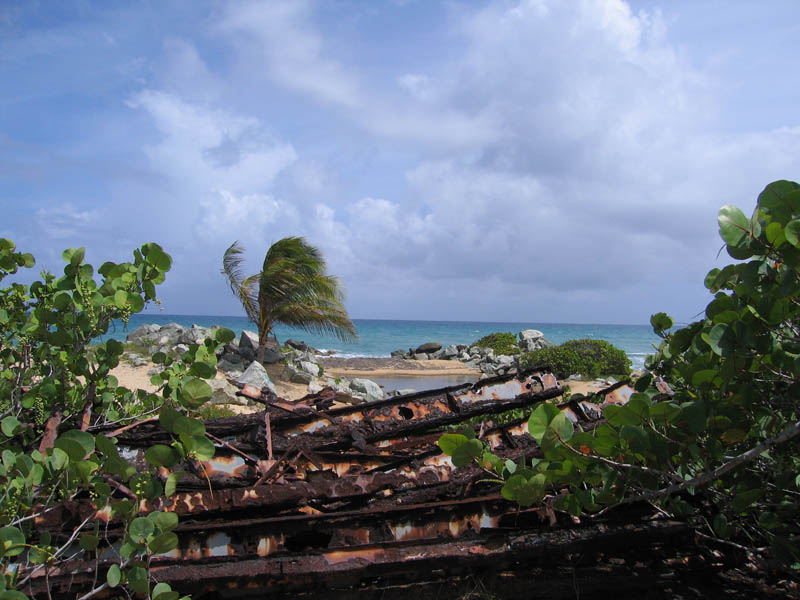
[[238, 363], [477, 356]]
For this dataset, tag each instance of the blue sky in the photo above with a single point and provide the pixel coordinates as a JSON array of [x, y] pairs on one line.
[[522, 161]]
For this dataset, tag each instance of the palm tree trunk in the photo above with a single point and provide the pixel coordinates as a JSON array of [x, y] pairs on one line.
[[263, 336]]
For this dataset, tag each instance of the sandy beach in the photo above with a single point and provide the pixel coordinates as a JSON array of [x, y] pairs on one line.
[[377, 368]]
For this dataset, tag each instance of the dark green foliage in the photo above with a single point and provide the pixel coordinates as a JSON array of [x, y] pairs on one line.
[[50, 380], [594, 358], [720, 448], [502, 342]]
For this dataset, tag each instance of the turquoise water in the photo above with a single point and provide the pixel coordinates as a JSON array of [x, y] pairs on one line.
[[380, 337]]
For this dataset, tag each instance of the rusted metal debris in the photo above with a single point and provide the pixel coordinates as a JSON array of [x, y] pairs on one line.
[[311, 496]]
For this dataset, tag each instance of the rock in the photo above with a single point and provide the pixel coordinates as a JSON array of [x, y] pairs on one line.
[[155, 371], [399, 353], [194, 335], [302, 346], [428, 348], [248, 345], [143, 331], [449, 352], [139, 362], [315, 387], [438, 355], [229, 368], [532, 339], [231, 357], [179, 349], [256, 375], [296, 376], [225, 393], [368, 387], [248, 348], [463, 357], [504, 360], [575, 378], [421, 357], [487, 368], [404, 392], [309, 367]]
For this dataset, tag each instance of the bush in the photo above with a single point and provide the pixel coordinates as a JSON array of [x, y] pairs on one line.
[[502, 342], [594, 358]]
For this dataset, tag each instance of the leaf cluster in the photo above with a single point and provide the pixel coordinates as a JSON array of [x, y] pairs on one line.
[[593, 358], [57, 394], [716, 446], [502, 342]]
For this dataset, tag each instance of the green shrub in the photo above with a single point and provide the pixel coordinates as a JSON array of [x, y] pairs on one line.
[[594, 358], [502, 342]]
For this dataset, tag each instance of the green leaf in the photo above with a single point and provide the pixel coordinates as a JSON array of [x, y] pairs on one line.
[[166, 521], [11, 540], [661, 322], [203, 449], [89, 542], [171, 483], [223, 336], [732, 436], [792, 231], [77, 444], [137, 580], [203, 369], [188, 427], [9, 426], [562, 427], [744, 499], [159, 358], [540, 420], [163, 543], [450, 442], [167, 419], [617, 414], [733, 225], [721, 526], [161, 456], [703, 377], [195, 392], [140, 528]]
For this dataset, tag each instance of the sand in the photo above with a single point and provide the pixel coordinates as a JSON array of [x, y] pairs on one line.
[[137, 377]]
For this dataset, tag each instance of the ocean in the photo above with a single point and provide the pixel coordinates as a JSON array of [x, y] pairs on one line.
[[381, 337]]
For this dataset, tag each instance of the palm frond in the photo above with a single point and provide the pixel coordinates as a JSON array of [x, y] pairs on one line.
[[242, 287]]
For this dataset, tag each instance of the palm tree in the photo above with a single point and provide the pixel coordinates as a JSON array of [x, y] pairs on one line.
[[292, 288]]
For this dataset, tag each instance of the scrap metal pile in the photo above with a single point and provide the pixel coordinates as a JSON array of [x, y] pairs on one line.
[[328, 500]]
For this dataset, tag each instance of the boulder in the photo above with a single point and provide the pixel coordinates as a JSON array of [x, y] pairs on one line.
[[256, 375], [225, 393], [229, 368], [398, 353], [143, 331], [421, 356], [315, 387], [532, 339], [428, 348], [504, 360], [302, 346], [309, 367], [368, 387], [195, 335], [449, 352], [296, 376], [179, 349], [248, 348]]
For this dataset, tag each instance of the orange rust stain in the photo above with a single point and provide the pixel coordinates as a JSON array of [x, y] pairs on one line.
[[339, 556], [268, 545]]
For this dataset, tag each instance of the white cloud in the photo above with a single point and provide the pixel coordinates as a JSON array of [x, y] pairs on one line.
[[66, 221], [211, 148]]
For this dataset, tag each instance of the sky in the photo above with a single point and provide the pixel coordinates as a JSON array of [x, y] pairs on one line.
[[520, 160]]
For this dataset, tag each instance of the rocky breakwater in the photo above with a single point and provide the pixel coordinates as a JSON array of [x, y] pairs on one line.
[[489, 362], [237, 363]]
